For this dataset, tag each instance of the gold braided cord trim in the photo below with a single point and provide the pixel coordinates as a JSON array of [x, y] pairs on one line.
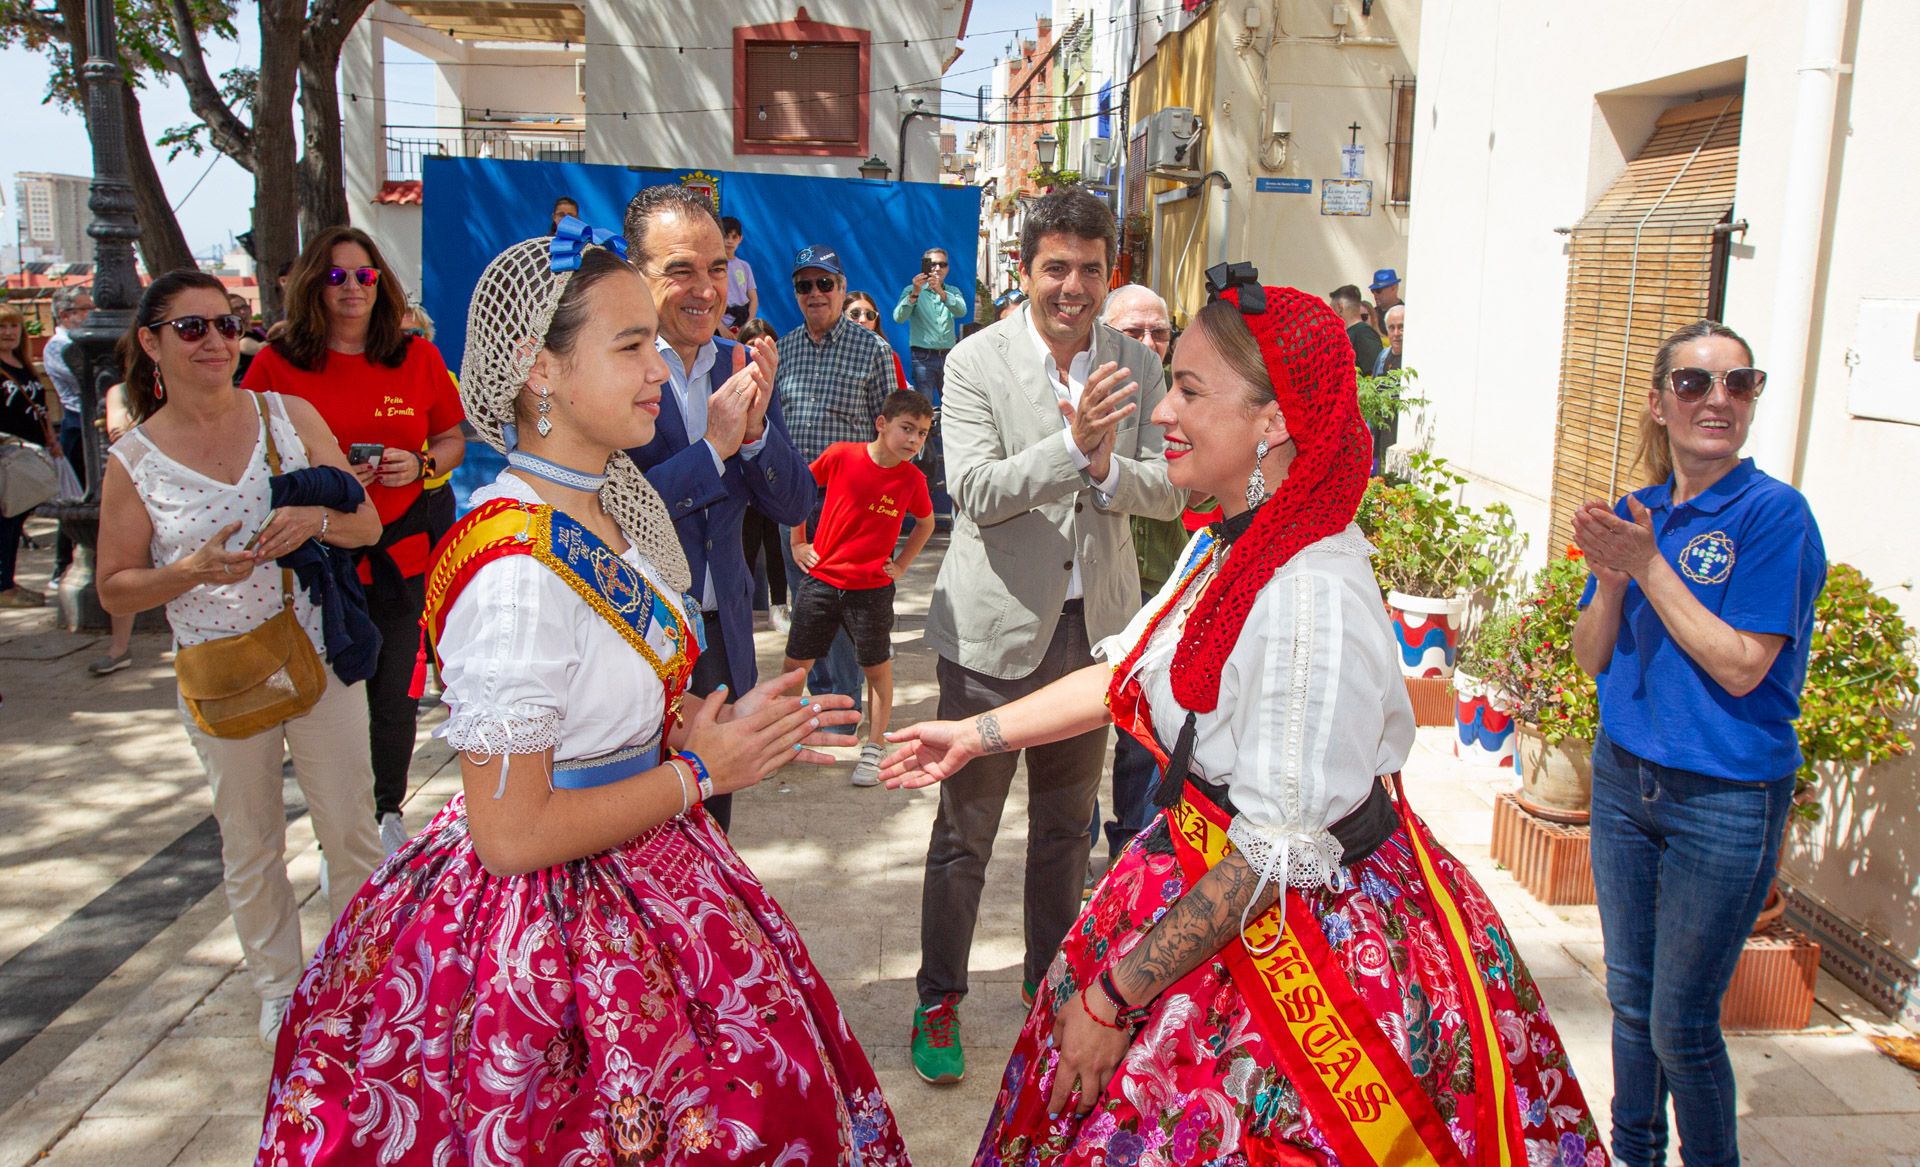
[[542, 546]]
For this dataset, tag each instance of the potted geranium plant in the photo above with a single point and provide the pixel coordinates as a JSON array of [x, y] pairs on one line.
[[1482, 711], [1555, 703], [1431, 551]]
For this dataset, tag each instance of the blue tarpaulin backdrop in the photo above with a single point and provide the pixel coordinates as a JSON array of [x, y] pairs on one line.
[[475, 208]]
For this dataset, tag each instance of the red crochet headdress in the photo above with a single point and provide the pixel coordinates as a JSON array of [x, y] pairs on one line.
[[1311, 363]]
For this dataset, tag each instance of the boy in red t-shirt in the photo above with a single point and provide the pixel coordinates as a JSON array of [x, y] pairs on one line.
[[849, 561]]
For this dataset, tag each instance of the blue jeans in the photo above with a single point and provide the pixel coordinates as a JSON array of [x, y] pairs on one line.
[[1681, 865], [838, 671], [930, 372]]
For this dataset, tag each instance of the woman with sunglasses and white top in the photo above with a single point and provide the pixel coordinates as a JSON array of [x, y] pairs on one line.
[[388, 397], [186, 521], [862, 310], [1696, 626]]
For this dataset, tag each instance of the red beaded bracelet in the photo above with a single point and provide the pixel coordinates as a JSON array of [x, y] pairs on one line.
[[1088, 1010]]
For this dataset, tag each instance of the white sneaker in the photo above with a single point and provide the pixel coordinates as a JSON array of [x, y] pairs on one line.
[[393, 832], [273, 1011], [867, 771], [781, 617]]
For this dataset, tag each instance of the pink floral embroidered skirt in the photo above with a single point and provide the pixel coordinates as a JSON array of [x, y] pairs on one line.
[[1201, 1085], [650, 1004]]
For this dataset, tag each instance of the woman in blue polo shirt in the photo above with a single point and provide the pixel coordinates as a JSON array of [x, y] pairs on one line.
[[1696, 626]]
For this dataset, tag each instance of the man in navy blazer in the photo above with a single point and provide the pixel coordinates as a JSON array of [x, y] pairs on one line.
[[721, 442]]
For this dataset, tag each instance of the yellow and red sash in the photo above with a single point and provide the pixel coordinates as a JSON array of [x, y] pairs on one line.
[[611, 586], [1348, 1074]]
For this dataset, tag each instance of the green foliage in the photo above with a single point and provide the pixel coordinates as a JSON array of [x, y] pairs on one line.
[[1043, 176], [143, 29], [1429, 543], [1861, 682], [1531, 660], [1383, 397], [1479, 651]]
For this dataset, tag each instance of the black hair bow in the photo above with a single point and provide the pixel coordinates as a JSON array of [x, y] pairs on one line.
[[1224, 276]]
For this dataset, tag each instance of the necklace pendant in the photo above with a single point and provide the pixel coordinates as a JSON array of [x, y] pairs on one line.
[[543, 427]]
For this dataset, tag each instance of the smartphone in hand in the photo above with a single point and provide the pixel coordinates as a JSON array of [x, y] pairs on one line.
[[360, 453]]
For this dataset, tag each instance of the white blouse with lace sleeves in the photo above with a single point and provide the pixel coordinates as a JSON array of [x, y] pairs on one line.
[[1311, 707]]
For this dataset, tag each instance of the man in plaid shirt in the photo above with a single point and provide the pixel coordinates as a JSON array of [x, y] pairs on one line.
[[832, 378]]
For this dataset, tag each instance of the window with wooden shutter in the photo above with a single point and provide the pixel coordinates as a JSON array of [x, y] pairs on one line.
[[1400, 146], [1645, 261], [801, 88]]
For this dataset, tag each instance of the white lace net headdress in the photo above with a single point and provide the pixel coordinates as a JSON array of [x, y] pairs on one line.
[[507, 322]]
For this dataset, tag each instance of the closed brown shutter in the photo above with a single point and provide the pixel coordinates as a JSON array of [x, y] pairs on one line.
[[1644, 262], [814, 100]]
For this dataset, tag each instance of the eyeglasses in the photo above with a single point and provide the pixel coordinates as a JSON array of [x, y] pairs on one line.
[[366, 277], [1691, 384], [1141, 332], [862, 314], [823, 284], [193, 329], [938, 263]]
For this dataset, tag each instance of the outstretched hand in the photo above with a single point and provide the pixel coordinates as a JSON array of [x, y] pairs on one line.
[[930, 752]]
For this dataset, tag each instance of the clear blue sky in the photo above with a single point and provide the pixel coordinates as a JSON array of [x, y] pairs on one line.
[[41, 136]]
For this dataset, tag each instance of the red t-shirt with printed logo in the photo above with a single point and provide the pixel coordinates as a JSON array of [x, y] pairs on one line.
[[866, 505], [364, 401]]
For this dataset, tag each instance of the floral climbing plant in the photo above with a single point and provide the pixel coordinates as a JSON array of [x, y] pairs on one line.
[[1532, 665], [1861, 683]]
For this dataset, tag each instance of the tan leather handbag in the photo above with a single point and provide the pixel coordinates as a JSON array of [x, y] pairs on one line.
[[242, 685]]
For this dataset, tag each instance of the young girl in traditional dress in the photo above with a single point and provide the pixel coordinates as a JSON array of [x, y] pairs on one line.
[[1285, 967], [570, 965]]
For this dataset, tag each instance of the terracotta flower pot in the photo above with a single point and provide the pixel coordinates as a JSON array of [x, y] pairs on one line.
[[1556, 782], [1428, 631], [1482, 721]]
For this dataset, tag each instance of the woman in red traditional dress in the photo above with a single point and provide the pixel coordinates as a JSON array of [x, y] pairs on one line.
[[1285, 967], [570, 965]]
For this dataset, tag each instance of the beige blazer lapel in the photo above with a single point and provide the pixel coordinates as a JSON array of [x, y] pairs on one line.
[[1029, 371]]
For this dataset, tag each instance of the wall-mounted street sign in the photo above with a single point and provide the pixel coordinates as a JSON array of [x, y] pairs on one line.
[[1283, 185], [1339, 196]]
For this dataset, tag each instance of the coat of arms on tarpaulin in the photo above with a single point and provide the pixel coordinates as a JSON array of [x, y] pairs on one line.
[[701, 182]]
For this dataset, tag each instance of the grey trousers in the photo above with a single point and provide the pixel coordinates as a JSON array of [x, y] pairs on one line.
[[1063, 778]]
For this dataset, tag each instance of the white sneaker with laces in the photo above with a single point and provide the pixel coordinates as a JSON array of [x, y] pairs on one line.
[[866, 772], [393, 832], [781, 617], [273, 1010]]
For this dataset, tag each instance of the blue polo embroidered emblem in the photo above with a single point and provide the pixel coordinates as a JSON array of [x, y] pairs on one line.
[[1708, 558]]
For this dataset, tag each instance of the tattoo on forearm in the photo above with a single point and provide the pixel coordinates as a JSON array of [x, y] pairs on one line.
[[991, 740], [1199, 924]]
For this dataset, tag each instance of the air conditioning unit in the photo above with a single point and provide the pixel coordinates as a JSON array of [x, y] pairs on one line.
[[1173, 136], [580, 77], [1097, 154]]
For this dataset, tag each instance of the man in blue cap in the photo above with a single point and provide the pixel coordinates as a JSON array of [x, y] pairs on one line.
[[1386, 294], [831, 381]]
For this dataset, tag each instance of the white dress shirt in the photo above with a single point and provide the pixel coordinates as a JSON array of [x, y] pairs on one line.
[[1068, 389], [693, 413]]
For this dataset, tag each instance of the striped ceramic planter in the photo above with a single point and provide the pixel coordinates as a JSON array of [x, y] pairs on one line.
[[1427, 630], [1483, 726]]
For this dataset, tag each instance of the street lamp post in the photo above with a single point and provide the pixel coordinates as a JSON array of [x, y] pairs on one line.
[[116, 290]]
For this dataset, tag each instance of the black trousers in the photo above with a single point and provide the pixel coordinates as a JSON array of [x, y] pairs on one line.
[[760, 534], [709, 673], [392, 712]]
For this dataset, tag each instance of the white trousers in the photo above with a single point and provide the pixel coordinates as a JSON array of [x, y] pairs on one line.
[[333, 763]]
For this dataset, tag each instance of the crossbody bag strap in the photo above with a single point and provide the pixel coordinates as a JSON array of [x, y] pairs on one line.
[[273, 470]]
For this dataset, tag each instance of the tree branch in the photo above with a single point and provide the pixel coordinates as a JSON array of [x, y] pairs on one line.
[[230, 135]]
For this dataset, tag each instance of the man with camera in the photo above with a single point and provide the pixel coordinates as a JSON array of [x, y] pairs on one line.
[[931, 311]]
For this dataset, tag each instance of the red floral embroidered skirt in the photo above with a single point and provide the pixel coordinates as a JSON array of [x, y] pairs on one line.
[[648, 1004]]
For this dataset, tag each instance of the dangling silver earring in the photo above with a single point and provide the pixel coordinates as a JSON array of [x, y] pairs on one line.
[[542, 423], [1257, 484]]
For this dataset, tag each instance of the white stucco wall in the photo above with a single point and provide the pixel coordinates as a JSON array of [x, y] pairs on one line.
[[1525, 113], [636, 79]]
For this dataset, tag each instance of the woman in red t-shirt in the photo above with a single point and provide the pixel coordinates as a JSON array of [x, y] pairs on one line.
[[389, 401]]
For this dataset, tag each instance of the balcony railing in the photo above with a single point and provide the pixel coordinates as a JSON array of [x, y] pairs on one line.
[[407, 146]]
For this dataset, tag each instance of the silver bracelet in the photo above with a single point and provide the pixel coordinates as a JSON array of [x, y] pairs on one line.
[[682, 774], [325, 517]]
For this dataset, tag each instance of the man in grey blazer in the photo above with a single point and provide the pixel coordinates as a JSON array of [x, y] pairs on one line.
[[1048, 452]]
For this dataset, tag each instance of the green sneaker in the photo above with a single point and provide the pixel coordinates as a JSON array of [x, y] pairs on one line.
[[1027, 990], [937, 1056]]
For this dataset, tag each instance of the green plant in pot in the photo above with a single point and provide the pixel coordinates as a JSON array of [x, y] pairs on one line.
[[1431, 550], [1556, 705], [1483, 714]]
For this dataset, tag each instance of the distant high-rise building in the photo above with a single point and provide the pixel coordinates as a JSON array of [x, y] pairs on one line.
[[54, 215]]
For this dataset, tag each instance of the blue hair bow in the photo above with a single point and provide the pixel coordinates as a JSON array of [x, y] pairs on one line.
[[572, 238], [1222, 277]]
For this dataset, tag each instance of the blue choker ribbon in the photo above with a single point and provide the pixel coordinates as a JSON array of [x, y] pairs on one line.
[[572, 238], [555, 473]]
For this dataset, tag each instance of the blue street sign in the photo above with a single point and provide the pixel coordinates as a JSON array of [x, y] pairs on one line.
[[1283, 185]]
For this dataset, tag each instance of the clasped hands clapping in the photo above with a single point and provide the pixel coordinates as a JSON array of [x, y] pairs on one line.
[[1103, 406], [1616, 549], [737, 411]]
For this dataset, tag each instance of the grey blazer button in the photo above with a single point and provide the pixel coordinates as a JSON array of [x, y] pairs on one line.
[[1078, 507], [1067, 566]]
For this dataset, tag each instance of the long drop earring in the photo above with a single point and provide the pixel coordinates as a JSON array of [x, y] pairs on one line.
[[543, 425], [159, 387], [1257, 483]]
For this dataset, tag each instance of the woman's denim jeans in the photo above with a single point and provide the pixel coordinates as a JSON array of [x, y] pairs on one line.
[[1681, 865]]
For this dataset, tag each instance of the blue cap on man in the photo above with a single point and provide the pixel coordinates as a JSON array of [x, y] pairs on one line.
[[1386, 277], [816, 255]]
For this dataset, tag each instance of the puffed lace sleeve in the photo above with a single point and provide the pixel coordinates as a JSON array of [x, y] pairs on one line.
[[507, 658], [1307, 723]]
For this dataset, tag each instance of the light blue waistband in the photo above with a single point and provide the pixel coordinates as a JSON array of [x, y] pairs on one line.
[[584, 773]]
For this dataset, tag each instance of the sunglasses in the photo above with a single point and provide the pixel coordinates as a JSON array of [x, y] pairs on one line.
[[1690, 384], [366, 277], [823, 284], [937, 263], [862, 314], [1142, 332], [193, 329]]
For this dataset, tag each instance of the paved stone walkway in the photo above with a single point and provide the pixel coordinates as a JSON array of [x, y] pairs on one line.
[[156, 1063]]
